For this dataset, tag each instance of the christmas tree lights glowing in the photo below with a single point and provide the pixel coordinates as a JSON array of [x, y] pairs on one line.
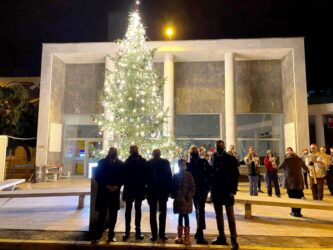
[[133, 96]]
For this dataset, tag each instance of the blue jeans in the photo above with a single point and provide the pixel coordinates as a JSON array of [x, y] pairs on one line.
[[253, 180]]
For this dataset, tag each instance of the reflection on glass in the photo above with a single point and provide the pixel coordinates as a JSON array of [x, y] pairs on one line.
[[198, 126], [262, 131], [259, 125]]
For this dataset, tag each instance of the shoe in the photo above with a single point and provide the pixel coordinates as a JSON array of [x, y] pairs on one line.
[[111, 239], [153, 238], [199, 236], [270, 195], [95, 241], [187, 240], [202, 241], [139, 236], [298, 215], [163, 237], [278, 195], [220, 240], [126, 236], [179, 238], [234, 244], [260, 191]]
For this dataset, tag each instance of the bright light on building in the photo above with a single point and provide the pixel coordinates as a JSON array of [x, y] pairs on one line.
[[169, 32]]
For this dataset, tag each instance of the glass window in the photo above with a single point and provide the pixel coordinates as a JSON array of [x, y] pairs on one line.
[[198, 126], [82, 131], [262, 131]]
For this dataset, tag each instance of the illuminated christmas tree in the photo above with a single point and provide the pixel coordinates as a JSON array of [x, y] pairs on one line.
[[133, 96]]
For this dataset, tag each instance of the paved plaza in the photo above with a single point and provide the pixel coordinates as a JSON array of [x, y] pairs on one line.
[[57, 218]]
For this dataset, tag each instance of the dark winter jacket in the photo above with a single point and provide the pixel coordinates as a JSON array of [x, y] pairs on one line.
[[110, 173], [225, 178], [202, 174], [135, 178], [292, 166], [159, 179], [183, 188]]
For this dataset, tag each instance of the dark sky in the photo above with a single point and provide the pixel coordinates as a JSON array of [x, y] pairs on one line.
[[26, 24]]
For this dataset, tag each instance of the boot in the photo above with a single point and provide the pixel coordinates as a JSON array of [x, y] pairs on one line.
[[234, 243], [179, 238], [187, 240]]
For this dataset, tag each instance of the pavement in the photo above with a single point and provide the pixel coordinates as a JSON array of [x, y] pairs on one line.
[[56, 223]]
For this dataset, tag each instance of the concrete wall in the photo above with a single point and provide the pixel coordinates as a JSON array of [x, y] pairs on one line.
[[57, 102], [258, 86], [199, 87], [84, 82]]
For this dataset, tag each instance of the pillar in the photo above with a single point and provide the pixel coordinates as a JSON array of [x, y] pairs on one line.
[[320, 135], [107, 135], [3, 148], [230, 101], [169, 93]]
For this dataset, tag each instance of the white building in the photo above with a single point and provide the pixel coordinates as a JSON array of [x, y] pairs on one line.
[[245, 91]]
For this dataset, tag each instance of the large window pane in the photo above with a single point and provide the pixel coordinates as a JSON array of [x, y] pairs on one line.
[[198, 126], [82, 131], [185, 144], [259, 126], [260, 147]]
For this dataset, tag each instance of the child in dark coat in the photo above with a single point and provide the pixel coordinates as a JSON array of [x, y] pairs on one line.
[[183, 189]]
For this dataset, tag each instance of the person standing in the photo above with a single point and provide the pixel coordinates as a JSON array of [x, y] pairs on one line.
[[329, 175], [294, 183], [316, 163], [159, 183], [201, 172], [109, 177], [134, 190], [304, 156], [183, 189], [232, 151], [224, 187], [252, 162], [271, 174]]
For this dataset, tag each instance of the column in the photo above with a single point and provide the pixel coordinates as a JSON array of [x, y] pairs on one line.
[[230, 101], [3, 149], [107, 135], [169, 93], [320, 134]]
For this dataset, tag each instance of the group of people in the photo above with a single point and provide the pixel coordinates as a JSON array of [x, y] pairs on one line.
[[316, 163], [153, 180], [198, 175]]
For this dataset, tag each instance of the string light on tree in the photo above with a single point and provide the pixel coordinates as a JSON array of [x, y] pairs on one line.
[[129, 92]]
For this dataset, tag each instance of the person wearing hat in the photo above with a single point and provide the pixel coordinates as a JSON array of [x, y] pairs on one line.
[[270, 163]]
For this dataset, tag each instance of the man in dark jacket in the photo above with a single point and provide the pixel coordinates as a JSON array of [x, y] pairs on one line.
[[224, 188], [159, 184], [293, 176], [134, 190], [201, 172], [110, 177]]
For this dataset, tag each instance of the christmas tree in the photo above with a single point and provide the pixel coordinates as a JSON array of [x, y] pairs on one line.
[[133, 96]]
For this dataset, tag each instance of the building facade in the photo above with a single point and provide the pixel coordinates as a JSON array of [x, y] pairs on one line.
[[244, 91]]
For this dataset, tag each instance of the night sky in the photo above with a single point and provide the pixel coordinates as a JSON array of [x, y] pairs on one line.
[[26, 24]]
